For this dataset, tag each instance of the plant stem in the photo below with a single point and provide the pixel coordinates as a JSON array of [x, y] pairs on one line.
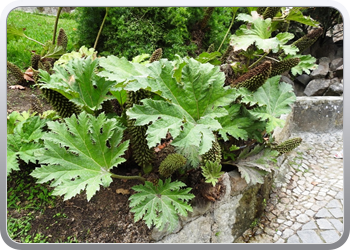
[[56, 23], [233, 19], [99, 32], [31, 39], [135, 177], [262, 57], [268, 57], [228, 163]]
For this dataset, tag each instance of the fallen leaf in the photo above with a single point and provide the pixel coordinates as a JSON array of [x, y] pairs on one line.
[[315, 183], [29, 74], [209, 197], [20, 87], [122, 191]]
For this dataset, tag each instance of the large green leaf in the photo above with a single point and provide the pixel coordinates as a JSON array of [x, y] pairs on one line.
[[256, 163], [160, 205], [121, 70], [278, 98], [192, 101], [259, 34], [307, 63], [296, 15], [234, 124], [25, 141], [78, 82], [80, 153]]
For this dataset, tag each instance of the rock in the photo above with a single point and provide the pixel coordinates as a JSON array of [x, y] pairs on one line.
[[339, 71], [238, 184], [287, 80], [337, 33], [317, 87], [299, 89], [198, 231], [334, 90], [304, 79], [336, 63], [327, 49], [322, 70]]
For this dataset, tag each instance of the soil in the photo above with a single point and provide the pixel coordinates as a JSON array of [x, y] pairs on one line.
[[106, 218]]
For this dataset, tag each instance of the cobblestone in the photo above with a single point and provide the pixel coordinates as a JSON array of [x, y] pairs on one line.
[[308, 208]]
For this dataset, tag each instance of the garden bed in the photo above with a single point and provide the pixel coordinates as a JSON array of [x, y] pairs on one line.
[[135, 146]]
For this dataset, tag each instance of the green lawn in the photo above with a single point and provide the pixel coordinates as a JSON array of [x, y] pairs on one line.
[[39, 27]]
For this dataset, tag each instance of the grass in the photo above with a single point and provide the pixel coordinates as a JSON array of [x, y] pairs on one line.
[[39, 27], [19, 229], [24, 194]]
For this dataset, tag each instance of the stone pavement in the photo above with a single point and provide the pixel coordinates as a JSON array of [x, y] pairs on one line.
[[308, 207]]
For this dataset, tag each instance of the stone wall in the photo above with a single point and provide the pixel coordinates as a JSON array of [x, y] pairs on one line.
[[327, 78], [318, 114]]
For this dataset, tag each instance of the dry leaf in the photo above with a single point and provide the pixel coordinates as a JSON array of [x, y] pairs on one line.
[[122, 191], [20, 87], [315, 183], [28, 75]]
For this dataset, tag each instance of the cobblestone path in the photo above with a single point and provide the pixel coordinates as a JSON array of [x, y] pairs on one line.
[[308, 207]]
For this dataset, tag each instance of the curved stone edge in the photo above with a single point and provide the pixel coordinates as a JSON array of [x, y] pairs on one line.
[[318, 114]]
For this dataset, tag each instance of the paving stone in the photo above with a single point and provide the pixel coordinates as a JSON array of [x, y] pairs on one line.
[[324, 224], [336, 212], [315, 194], [310, 225], [280, 221], [337, 224], [269, 231], [302, 218], [288, 223], [323, 213], [333, 204], [309, 236], [275, 238], [340, 195], [315, 208], [310, 213], [330, 236], [294, 239], [296, 226], [280, 241], [308, 205]]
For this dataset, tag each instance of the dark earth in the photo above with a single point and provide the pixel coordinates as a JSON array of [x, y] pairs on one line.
[[106, 218]]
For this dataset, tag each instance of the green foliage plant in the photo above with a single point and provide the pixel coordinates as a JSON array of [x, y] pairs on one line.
[[184, 98], [170, 164], [78, 156], [78, 82], [260, 35], [24, 139], [212, 172], [160, 204]]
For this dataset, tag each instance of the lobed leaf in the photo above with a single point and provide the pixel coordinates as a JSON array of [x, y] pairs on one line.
[[80, 153], [193, 96], [160, 205], [253, 165], [260, 34], [278, 98], [78, 82], [25, 141]]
